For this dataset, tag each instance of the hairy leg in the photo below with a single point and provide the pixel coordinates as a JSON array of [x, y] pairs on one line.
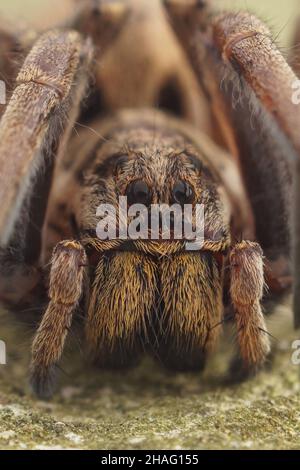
[[246, 46], [247, 285], [33, 130], [65, 290], [236, 54]]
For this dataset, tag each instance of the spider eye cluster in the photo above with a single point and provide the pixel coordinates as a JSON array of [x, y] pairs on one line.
[[138, 192], [182, 193]]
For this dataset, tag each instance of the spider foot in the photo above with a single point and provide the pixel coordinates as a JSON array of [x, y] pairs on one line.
[[43, 382]]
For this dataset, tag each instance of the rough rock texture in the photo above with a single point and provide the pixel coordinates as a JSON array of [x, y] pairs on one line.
[[148, 408]]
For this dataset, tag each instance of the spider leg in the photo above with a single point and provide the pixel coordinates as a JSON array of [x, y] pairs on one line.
[[246, 46], [251, 89], [247, 285], [65, 290], [33, 131]]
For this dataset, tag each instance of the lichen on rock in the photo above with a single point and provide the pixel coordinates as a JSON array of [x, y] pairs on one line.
[[149, 408]]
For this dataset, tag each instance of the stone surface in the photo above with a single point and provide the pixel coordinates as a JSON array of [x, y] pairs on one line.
[[148, 408]]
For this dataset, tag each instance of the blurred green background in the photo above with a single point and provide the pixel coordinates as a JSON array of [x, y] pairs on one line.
[[279, 14]]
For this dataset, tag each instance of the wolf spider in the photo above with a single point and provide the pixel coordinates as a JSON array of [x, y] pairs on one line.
[[174, 101]]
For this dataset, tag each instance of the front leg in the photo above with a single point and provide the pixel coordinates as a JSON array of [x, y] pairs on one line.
[[39, 118], [33, 130], [269, 139], [66, 285], [247, 285]]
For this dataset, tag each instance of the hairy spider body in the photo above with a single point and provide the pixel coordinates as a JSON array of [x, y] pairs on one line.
[[134, 303], [138, 295]]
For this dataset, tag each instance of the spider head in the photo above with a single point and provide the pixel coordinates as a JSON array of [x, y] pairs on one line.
[[149, 189]]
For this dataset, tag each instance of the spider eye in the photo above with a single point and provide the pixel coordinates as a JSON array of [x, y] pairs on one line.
[[138, 192], [183, 193]]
